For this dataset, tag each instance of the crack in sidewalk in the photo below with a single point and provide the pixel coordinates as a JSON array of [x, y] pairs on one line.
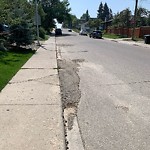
[[29, 104], [36, 79]]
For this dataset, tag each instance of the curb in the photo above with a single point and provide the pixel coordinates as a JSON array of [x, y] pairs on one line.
[[129, 42]]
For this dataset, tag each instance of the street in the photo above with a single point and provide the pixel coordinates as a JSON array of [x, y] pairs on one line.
[[108, 85]]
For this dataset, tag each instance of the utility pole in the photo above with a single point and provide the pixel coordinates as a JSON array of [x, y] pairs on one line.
[[37, 21], [134, 21]]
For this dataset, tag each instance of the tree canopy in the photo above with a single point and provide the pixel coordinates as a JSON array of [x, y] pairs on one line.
[[125, 18], [104, 12], [16, 11], [21, 15], [85, 16], [53, 9], [143, 17]]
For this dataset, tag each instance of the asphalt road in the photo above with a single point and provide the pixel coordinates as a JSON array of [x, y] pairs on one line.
[[114, 107]]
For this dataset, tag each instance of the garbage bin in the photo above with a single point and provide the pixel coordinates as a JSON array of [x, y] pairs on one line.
[[147, 39]]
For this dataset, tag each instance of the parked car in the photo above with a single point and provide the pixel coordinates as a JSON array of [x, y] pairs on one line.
[[83, 32], [96, 34], [58, 31]]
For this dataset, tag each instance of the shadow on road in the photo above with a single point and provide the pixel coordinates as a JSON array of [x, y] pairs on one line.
[[66, 34]]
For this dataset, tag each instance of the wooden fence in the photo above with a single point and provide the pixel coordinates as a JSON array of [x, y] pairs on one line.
[[127, 32]]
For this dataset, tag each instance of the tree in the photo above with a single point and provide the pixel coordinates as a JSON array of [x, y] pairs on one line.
[[116, 20], [123, 18], [74, 21], [148, 19], [110, 14], [142, 16], [94, 23], [18, 15], [15, 11], [62, 11], [85, 16], [100, 11], [21, 34], [104, 12], [54, 9]]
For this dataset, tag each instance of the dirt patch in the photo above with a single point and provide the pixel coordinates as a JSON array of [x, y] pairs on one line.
[[70, 94], [124, 108], [69, 83]]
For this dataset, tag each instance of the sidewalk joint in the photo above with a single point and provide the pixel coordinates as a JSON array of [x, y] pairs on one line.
[[36, 79], [29, 104]]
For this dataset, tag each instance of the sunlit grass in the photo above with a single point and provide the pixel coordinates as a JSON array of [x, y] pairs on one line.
[[10, 63], [113, 36]]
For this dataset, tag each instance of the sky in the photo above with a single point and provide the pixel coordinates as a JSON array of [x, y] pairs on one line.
[[80, 6]]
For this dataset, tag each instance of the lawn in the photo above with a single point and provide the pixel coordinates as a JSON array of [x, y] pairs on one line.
[[112, 36], [11, 62]]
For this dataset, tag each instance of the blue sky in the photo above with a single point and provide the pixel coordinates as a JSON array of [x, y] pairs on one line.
[[80, 6]]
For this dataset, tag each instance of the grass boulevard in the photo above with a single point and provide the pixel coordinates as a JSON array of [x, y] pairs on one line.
[[10, 63]]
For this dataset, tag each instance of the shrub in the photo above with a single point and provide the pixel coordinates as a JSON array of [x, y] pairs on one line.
[[20, 34], [42, 33]]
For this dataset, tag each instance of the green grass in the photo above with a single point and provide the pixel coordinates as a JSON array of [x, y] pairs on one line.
[[46, 38], [113, 36], [11, 62]]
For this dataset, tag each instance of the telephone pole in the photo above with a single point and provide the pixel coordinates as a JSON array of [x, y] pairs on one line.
[[134, 21], [37, 21]]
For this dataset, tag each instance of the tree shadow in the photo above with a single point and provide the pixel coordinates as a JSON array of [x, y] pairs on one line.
[[65, 34]]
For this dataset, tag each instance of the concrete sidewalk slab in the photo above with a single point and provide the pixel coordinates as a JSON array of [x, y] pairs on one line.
[[45, 57], [30, 93], [30, 105], [31, 127], [42, 59], [47, 75]]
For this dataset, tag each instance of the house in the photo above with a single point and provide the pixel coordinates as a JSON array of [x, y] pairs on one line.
[[85, 27]]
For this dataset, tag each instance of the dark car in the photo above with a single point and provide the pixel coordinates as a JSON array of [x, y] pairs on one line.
[[58, 32], [96, 34]]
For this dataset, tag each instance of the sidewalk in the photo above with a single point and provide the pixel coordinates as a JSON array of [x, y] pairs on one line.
[[30, 105], [130, 42]]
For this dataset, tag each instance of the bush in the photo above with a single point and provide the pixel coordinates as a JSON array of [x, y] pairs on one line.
[[42, 33], [20, 34]]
